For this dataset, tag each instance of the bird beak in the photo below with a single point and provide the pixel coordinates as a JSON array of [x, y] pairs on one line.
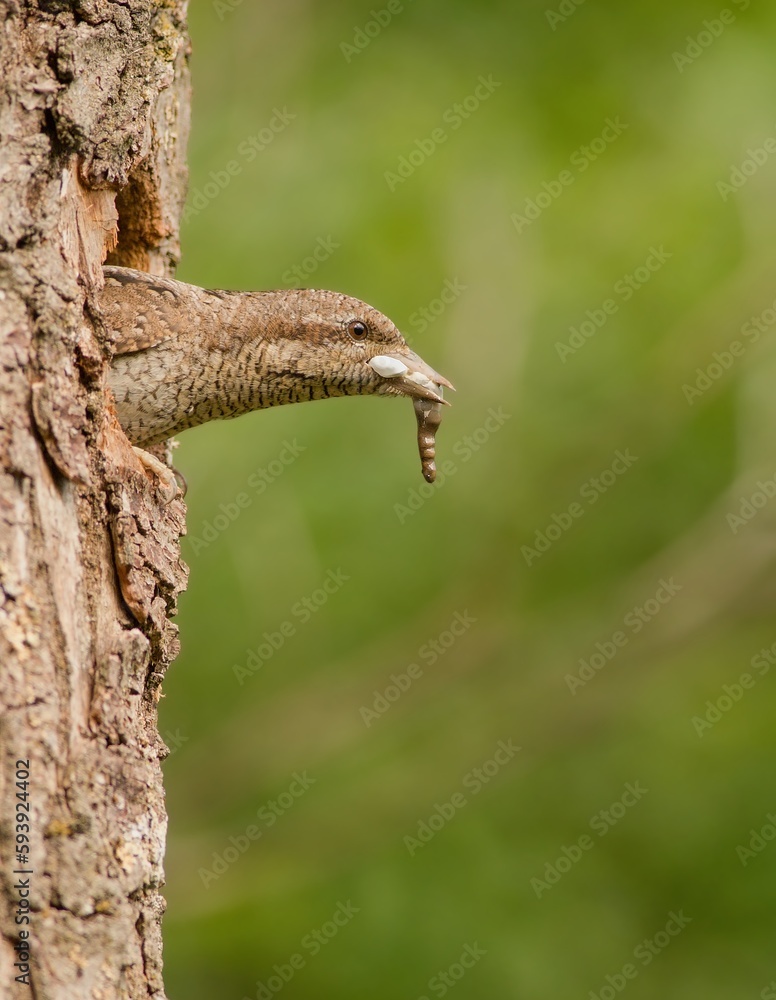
[[411, 375]]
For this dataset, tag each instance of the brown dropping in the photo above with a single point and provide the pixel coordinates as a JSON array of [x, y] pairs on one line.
[[429, 417]]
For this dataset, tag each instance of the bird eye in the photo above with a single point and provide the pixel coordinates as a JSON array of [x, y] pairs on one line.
[[358, 329]]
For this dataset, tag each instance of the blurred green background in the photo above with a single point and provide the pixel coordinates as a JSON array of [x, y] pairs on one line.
[[641, 777]]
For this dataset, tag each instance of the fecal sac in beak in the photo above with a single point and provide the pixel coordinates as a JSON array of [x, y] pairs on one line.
[[413, 376]]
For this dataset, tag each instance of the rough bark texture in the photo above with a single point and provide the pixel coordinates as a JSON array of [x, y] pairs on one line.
[[93, 122]]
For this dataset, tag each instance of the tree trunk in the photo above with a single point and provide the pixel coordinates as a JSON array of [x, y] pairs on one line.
[[93, 125]]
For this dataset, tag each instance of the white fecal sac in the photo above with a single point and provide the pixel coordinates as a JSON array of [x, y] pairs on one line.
[[387, 367]]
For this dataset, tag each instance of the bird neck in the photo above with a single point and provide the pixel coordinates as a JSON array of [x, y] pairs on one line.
[[241, 352], [270, 370]]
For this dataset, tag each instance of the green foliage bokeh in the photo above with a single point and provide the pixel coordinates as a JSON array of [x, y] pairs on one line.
[[690, 92]]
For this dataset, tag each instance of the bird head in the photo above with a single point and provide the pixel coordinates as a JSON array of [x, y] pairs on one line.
[[350, 348]]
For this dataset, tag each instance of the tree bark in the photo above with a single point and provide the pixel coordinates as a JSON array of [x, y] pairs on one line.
[[94, 114]]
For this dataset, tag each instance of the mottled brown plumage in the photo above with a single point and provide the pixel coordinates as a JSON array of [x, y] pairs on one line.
[[184, 355]]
